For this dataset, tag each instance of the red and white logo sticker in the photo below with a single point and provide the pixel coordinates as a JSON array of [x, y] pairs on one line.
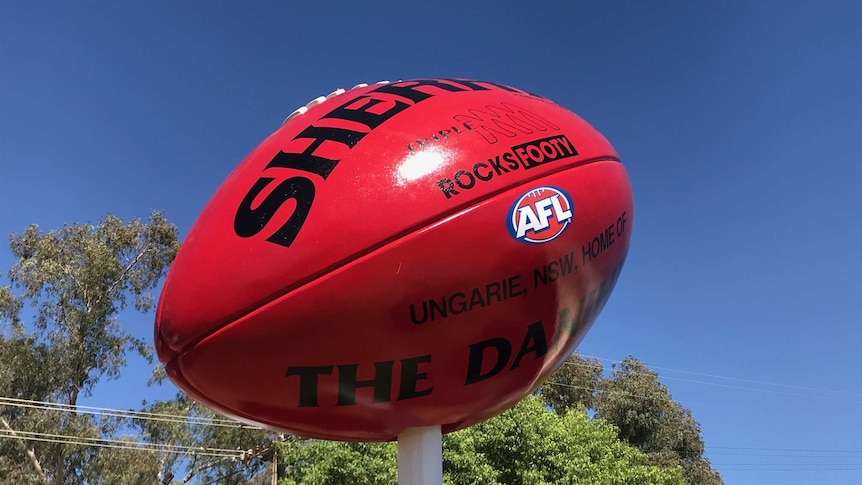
[[540, 215]]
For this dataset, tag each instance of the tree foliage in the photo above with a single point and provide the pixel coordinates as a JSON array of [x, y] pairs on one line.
[[525, 445], [322, 462], [632, 399], [117, 466], [205, 429], [574, 384], [61, 334]]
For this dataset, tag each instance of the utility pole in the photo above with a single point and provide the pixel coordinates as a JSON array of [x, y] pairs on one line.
[[274, 465]]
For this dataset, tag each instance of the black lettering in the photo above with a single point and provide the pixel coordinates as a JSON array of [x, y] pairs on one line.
[[540, 152], [514, 285], [469, 83], [564, 145], [585, 309], [476, 299], [566, 327], [557, 143], [605, 287], [587, 253], [348, 383], [477, 354], [540, 276], [249, 222], [459, 306], [408, 89], [621, 224], [535, 154], [595, 300], [440, 308], [365, 110], [511, 161], [553, 271], [487, 177], [308, 383], [471, 181], [534, 341], [521, 153], [599, 244], [495, 164], [588, 307], [568, 144], [410, 376], [448, 188], [306, 160], [424, 313], [593, 303], [360, 114], [567, 262], [492, 290]]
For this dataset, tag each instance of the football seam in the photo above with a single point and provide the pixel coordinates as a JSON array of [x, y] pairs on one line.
[[260, 304]]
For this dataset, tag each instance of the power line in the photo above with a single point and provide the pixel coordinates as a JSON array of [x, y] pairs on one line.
[[616, 391], [584, 388], [239, 454], [743, 448], [787, 464], [203, 421], [744, 388], [121, 413], [738, 379], [198, 469], [746, 451], [111, 440], [789, 469], [117, 444], [770, 391], [181, 419], [124, 411], [759, 452], [259, 454]]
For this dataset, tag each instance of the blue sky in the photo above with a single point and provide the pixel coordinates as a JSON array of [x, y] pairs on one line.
[[740, 124]]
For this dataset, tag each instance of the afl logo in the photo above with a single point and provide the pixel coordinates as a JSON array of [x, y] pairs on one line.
[[540, 215]]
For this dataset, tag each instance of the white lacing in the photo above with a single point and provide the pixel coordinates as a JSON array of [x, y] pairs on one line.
[[302, 109]]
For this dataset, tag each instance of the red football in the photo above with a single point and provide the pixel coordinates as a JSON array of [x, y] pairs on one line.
[[402, 254]]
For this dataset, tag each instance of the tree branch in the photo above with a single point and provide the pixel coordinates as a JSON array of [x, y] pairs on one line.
[[28, 451], [126, 270], [194, 469], [81, 287], [162, 460]]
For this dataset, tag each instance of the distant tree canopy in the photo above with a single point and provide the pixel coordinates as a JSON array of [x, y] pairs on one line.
[[637, 435], [526, 445], [632, 399], [60, 335], [76, 280]]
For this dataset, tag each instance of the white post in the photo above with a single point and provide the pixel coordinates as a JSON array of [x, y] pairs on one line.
[[420, 456]]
